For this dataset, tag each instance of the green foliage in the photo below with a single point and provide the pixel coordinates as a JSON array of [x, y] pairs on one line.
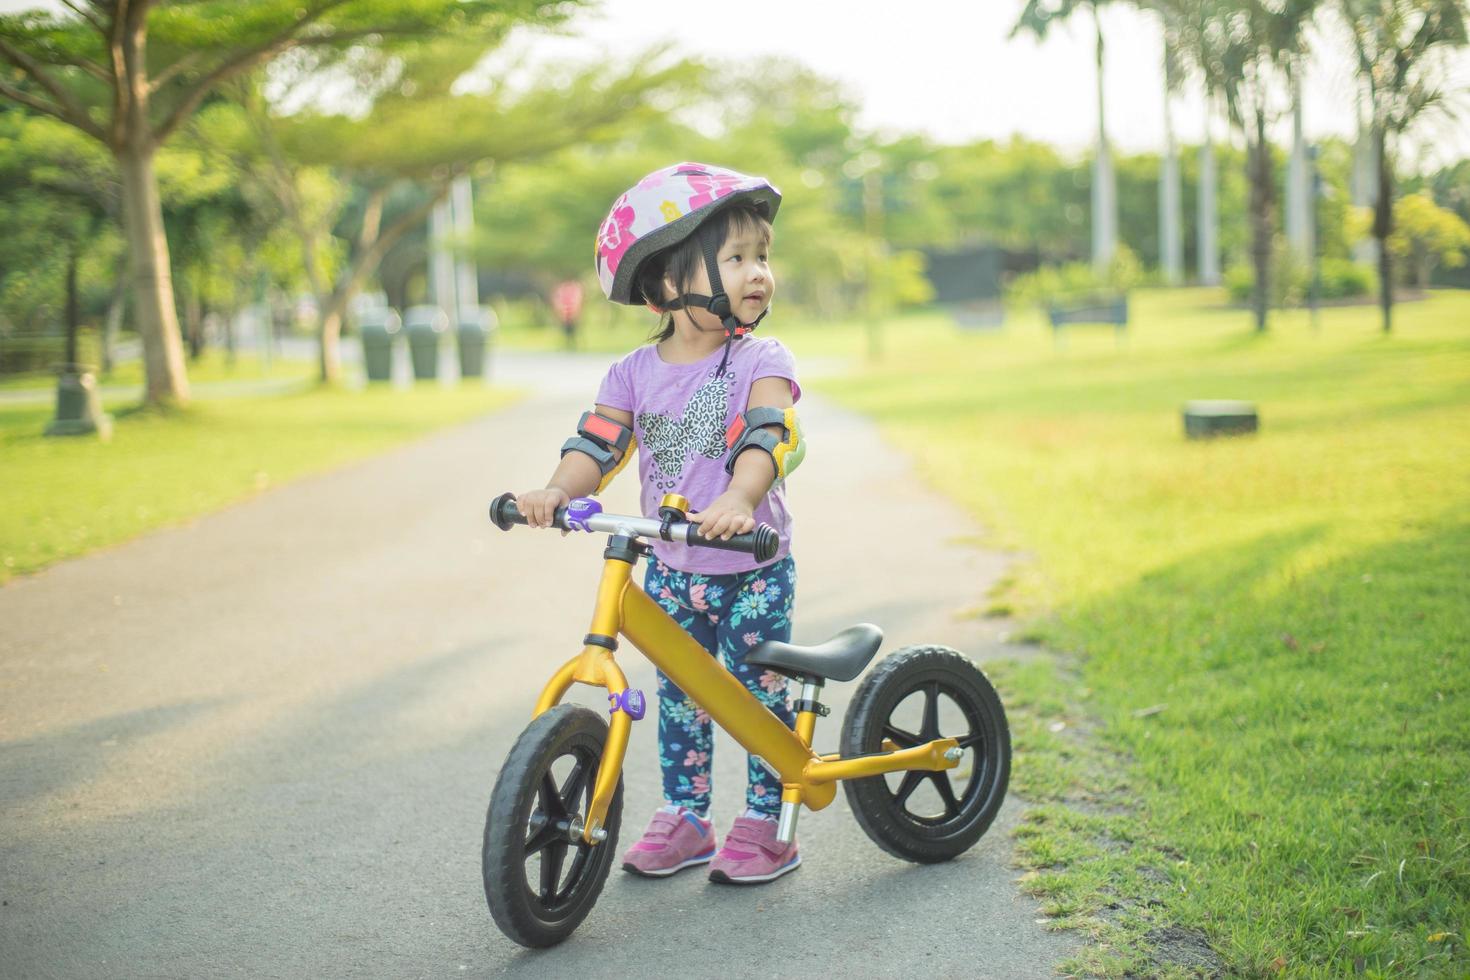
[[1291, 280], [1426, 234], [1075, 281], [57, 197], [1346, 279]]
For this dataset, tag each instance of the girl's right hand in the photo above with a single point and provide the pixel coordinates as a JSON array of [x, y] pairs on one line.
[[538, 507]]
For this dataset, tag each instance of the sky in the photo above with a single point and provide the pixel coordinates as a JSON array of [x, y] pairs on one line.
[[948, 69]]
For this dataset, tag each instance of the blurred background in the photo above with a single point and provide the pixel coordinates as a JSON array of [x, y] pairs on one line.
[[283, 174]]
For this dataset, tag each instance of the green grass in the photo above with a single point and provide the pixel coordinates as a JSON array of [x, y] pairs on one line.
[[66, 496], [1270, 632], [211, 366]]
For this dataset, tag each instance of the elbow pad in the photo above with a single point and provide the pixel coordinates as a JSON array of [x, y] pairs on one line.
[[602, 439], [748, 432]]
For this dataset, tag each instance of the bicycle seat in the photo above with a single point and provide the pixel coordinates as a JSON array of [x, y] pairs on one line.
[[840, 659]]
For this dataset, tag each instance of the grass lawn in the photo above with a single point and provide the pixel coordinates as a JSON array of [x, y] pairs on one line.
[[211, 366], [1269, 634], [66, 496]]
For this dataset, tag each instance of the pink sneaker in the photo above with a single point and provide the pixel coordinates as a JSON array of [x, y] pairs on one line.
[[676, 838], [752, 855]]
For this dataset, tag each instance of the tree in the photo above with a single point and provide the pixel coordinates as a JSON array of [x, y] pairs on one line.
[[418, 136], [1243, 48], [58, 198], [1037, 17], [129, 73], [1426, 234], [1395, 42]]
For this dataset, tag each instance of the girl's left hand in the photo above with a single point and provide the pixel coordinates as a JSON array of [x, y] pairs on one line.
[[729, 515]]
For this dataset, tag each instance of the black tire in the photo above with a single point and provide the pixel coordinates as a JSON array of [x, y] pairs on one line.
[[902, 816], [536, 895]]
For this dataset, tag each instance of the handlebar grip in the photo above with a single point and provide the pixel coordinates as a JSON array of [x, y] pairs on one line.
[[504, 513], [763, 542]]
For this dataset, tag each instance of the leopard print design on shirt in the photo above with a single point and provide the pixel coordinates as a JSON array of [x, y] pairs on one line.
[[700, 429]]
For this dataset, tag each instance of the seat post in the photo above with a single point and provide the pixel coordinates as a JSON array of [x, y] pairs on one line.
[[808, 708]]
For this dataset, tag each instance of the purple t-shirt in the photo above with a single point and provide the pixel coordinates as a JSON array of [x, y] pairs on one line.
[[680, 415]]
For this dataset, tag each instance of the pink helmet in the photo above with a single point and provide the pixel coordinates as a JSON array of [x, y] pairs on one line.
[[665, 208]]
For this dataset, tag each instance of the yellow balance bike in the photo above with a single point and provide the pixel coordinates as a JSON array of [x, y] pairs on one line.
[[925, 747]]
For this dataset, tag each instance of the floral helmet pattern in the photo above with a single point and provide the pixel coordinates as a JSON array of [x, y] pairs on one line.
[[664, 209]]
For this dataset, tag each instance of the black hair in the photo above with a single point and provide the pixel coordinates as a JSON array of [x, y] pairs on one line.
[[682, 262]]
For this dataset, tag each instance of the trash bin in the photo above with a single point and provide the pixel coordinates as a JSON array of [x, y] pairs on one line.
[[476, 330], [378, 327], [424, 324]]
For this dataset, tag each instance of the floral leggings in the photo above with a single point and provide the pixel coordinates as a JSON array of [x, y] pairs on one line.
[[727, 615]]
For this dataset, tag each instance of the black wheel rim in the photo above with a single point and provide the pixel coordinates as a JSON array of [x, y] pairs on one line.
[[556, 866], [953, 806]]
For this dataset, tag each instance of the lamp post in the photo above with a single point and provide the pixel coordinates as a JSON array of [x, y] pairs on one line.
[[1314, 292], [864, 168]]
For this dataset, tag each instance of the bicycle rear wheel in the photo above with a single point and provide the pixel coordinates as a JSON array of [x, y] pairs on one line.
[[916, 695], [541, 880]]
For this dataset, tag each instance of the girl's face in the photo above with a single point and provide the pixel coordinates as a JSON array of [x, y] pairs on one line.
[[745, 272]]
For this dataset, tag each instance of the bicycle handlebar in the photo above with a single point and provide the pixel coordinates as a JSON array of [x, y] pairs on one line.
[[762, 543]]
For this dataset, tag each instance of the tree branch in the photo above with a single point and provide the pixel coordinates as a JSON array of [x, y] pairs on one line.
[[184, 64], [240, 63], [367, 262], [84, 15], [91, 68], [119, 69], [69, 110], [17, 95]]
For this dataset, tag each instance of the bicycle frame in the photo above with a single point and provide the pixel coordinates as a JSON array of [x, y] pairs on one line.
[[806, 777]]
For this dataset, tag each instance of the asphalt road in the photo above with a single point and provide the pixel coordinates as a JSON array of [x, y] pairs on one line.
[[261, 744]]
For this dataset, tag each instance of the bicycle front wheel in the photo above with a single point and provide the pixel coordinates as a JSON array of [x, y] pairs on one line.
[[541, 880]]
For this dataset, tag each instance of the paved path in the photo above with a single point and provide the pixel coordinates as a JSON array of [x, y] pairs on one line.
[[261, 745]]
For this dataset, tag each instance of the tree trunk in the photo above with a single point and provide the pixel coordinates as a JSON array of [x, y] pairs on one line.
[[1383, 227], [1104, 193], [1258, 155], [329, 340], [1209, 251], [1171, 236], [153, 290], [372, 246], [71, 311], [193, 322], [113, 323]]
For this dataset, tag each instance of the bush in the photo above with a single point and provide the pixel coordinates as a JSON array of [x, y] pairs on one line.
[[1344, 279], [1291, 280], [1059, 283]]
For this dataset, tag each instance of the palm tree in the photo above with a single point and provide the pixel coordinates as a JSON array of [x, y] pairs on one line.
[[1184, 37], [1171, 239], [1037, 18], [1395, 42], [1244, 48]]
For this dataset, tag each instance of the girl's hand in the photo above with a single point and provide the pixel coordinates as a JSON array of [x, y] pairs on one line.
[[729, 515], [539, 506]]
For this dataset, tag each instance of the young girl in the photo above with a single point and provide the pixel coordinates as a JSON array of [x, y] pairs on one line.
[[709, 406]]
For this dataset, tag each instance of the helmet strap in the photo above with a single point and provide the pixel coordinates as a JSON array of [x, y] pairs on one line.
[[719, 302]]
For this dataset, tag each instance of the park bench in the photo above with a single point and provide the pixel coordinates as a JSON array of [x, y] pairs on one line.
[[1088, 310]]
